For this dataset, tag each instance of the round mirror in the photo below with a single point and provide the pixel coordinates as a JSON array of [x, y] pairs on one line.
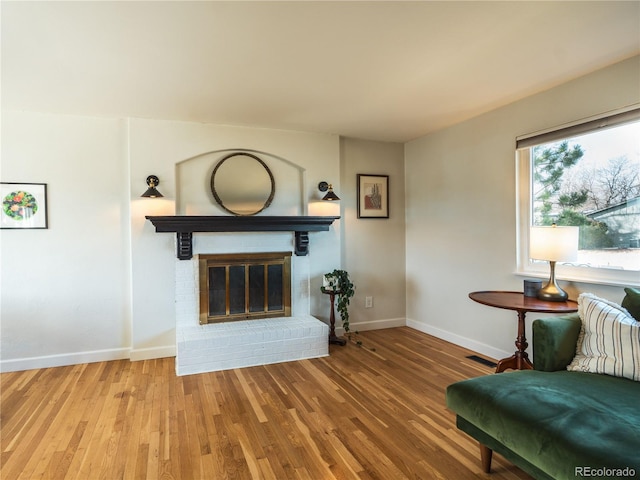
[[242, 184]]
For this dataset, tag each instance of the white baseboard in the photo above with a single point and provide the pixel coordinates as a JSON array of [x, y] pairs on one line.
[[373, 325], [151, 353], [465, 342], [63, 360], [170, 350]]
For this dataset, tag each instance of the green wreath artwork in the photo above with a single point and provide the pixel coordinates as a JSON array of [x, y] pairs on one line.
[[19, 205]]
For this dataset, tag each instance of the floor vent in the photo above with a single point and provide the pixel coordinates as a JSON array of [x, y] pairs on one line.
[[483, 361]]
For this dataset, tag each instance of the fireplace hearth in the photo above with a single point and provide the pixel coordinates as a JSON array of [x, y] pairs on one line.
[[209, 347], [227, 332]]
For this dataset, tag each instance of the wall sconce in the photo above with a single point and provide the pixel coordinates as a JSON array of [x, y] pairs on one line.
[[330, 196], [152, 182], [554, 244]]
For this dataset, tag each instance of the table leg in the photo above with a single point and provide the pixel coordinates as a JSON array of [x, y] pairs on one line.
[[332, 327], [520, 359]]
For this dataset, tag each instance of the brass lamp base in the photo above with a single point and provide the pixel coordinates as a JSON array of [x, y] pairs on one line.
[[551, 292]]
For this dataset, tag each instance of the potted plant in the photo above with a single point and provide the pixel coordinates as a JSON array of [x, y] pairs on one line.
[[339, 281]]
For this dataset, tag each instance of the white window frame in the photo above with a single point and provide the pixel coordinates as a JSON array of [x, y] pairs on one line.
[[524, 210]]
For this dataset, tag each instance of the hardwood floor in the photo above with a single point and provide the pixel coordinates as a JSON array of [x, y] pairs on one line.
[[357, 414]]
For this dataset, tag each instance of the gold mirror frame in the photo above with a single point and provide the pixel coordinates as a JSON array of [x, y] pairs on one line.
[[249, 192]]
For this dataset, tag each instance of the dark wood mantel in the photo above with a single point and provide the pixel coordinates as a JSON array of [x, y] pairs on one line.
[[185, 225]]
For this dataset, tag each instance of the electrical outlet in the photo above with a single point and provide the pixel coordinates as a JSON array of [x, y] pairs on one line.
[[368, 302]]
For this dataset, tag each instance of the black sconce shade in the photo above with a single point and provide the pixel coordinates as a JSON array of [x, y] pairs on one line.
[[327, 187], [152, 182]]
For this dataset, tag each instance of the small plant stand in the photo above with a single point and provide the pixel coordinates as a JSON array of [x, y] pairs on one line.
[[333, 339]]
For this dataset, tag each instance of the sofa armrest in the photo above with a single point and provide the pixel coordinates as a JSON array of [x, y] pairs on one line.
[[554, 341]]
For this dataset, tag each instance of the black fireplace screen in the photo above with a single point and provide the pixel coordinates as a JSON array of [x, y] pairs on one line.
[[244, 286]]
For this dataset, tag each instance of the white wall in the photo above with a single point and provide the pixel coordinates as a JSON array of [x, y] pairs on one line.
[[374, 249], [65, 290], [460, 209], [99, 283], [159, 147]]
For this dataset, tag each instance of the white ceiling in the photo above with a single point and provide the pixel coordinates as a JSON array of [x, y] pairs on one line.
[[389, 71]]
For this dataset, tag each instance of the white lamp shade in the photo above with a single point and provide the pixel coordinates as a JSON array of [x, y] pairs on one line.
[[557, 244]]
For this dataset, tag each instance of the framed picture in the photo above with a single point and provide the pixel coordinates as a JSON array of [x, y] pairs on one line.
[[24, 205], [373, 196]]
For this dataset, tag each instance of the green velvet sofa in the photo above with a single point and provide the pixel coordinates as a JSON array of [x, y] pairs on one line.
[[551, 422]]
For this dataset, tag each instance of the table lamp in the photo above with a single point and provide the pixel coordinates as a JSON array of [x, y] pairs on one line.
[[553, 244]]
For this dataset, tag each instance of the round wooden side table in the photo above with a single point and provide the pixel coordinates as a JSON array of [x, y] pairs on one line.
[[521, 304]]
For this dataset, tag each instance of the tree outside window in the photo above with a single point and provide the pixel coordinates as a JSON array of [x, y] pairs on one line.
[[592, 181]]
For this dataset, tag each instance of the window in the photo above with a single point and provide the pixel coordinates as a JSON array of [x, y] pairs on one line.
[[585, 175]]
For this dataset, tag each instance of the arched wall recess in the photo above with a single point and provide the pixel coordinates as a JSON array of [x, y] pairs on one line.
[[194, 195]]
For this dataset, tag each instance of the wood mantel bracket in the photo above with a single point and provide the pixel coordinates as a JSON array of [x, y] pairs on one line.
[[186, 225]]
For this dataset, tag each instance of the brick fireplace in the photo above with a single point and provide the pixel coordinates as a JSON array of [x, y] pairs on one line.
[[242, 343]]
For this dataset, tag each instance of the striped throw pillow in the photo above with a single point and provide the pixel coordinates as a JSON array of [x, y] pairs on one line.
[[609, 340]]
